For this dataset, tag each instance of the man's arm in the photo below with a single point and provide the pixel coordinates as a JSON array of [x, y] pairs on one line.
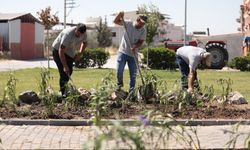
[[82, 48], [137, 45], [191, 77], [118, 18], [63, 60]]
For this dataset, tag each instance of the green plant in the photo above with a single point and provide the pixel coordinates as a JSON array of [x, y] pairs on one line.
[[226, 89], [72, 100], [49, 103], [148, 91], [235, 134], [9, 95], [119, 132], [92, 58], [159, 58], [104, 35], [99, 99], [48, 99], [241, 63], [44, 81]]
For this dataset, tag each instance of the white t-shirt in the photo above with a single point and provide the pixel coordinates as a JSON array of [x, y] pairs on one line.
[[69, 40], [135, 35], [191, 55]]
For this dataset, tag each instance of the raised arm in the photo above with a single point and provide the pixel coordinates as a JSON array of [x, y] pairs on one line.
[[118, 18]]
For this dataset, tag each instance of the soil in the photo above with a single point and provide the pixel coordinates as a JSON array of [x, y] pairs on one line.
[[130, 111]]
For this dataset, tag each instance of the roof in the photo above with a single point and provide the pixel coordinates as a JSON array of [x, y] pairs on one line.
[[25, 17]]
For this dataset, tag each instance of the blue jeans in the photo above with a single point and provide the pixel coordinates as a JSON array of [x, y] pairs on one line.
[[122, 59], [184, 69]]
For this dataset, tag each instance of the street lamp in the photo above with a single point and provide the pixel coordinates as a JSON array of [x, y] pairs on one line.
[[185, 24]]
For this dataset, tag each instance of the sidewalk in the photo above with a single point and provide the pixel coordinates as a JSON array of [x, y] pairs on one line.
[[8, 65], [78, 137]]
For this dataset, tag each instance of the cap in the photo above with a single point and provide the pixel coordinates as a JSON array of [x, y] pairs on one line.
[[208, 58], [143, 18]]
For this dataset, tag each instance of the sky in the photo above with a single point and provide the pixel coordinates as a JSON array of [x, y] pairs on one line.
[[217, 15]]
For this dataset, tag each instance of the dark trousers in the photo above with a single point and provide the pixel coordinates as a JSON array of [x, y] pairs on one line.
[[184, 69], [64, 78]]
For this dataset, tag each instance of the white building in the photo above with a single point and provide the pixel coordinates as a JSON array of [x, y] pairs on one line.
[[165, 31]]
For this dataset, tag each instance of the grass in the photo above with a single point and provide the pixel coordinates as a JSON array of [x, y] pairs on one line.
[[90, 78]]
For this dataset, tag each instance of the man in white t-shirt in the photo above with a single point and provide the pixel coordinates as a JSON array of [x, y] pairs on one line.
[[126, 54], [188, 58]]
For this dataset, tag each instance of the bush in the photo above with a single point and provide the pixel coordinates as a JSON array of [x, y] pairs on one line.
[[159, 58], [241, 63], [95, 57]]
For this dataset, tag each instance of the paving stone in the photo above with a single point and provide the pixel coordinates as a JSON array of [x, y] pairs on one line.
[[77, 137]]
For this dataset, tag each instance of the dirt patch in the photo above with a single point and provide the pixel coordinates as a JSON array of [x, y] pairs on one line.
[[131, 111]]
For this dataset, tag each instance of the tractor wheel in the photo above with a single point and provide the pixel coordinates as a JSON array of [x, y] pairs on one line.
[[219, 55]]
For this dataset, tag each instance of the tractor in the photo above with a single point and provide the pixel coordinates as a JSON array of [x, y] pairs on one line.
[[216, 48]]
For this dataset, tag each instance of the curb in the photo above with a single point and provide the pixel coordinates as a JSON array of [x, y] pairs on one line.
[[183, 122]]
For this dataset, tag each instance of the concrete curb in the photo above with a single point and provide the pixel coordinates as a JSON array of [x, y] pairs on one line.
[[184, 122]]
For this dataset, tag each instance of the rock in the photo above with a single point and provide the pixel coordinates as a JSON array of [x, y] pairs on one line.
[[121, 94], [236, 98], [85, 94], [50, 90], [28, 97], [228, 69]]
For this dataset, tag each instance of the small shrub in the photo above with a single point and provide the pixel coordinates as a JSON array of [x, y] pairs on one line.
[[241, 63], [159, 58], [9, 96], [95, 57]]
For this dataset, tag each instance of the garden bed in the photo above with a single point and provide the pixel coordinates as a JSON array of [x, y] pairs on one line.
[[132, 111]]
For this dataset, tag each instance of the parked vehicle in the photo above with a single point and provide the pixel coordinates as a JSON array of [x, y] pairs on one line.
[[216, 48]]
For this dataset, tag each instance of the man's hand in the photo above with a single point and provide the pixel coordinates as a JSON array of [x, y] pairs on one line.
[[122, 14], [119, 17], [133, 49], [190, 90], [77, 57], [66, 70]]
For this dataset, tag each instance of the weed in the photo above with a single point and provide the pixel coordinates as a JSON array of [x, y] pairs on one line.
[[235, 135], [44, 81], [226, 89], [48, 98], [73, 97], [9, 96]]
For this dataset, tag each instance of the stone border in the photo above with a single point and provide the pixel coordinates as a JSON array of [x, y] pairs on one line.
[[184, 122]]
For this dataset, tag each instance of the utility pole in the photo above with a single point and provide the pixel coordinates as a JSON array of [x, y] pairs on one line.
[[68, 4], [185, 24]]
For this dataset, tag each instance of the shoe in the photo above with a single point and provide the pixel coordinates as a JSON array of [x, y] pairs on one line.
[[118, 88]]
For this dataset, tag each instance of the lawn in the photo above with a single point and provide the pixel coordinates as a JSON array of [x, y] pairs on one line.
[[90, 78]]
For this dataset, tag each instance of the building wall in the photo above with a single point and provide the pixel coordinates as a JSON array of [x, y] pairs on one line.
[[15, 38], [27, 41], [39, 40], [118, 31], [4, 34]]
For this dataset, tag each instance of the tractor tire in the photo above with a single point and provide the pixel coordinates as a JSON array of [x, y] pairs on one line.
[[219, 55]]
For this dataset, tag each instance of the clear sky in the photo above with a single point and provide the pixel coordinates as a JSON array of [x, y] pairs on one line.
[[217, 15]]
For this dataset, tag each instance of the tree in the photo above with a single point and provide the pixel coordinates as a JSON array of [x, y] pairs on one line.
[[154, 17], [48, 21], [104, 35]]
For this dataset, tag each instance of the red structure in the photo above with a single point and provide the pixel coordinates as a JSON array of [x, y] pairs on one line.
[[23, 36]]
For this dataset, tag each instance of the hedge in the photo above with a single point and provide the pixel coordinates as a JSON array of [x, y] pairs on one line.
[[93, 57], [241, 63], [159, 58]]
